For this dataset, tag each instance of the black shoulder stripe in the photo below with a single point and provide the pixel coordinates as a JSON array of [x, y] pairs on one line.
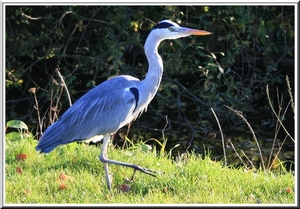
[[135, 92], [163, 25]]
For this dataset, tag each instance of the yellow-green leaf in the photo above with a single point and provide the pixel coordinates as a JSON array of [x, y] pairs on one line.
[[17, 124]]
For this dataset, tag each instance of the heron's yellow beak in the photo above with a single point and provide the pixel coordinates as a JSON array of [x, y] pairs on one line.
[[198, 32], [191, 31]]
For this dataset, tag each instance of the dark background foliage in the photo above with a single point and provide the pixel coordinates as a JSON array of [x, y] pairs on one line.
[[250, 47]]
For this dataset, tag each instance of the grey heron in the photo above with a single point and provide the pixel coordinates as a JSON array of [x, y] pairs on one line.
[[114, 103]]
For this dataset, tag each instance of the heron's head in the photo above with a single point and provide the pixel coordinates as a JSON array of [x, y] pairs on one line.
[[167, 29]]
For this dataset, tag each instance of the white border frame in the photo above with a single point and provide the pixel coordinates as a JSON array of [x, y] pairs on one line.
[[153, 3]]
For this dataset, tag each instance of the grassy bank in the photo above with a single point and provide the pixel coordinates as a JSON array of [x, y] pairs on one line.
[[73, 174]]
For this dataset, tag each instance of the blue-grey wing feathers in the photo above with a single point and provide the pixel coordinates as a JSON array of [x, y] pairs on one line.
[[102, 110]]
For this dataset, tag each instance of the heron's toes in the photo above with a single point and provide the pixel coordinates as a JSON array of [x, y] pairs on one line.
[[147, 171]]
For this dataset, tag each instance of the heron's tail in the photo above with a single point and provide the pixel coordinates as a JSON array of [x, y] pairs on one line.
[[51, 138]]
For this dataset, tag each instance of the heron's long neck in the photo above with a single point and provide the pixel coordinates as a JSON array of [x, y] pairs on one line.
[[155, 70]]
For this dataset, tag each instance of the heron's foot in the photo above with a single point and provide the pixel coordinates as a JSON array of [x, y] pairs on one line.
[[144, 170]]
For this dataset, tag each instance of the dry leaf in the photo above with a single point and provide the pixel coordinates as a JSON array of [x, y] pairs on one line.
[[62, 186], [124, 188], [64, 177], [21, 156], [19, 170]]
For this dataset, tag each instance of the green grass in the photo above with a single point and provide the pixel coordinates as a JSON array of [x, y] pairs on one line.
[[193, 181]]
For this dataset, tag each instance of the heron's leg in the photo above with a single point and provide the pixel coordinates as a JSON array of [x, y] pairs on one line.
[[103, 155], [103, 158], [132, 177]]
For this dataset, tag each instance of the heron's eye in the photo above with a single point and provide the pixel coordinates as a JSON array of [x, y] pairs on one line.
[[171, 29]]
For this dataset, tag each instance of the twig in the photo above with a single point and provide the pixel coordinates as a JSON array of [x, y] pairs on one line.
[[59, 93], [275, 64], [183, 117], [290, 93], [54, 108], [33, 90], [222, 136], [238, 113], [268, 96], [163, 130], [50, 109], [89, 21], [276, 155], [64, 84], [190, 93], [237, 153], [247, 158], [193, 132], [277, 128], [127, 133]]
